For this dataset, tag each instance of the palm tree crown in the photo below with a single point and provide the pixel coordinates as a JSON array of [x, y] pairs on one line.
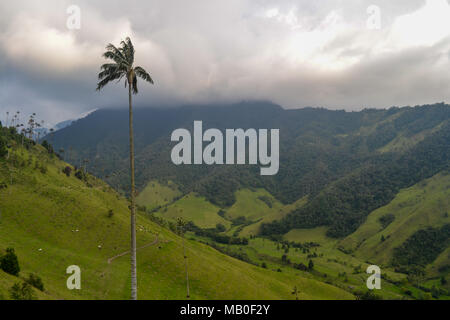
[[122, 66]]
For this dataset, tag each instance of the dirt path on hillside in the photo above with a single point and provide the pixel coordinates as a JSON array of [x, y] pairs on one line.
[[155, 242]]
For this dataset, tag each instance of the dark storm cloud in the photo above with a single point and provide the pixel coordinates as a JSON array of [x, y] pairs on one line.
[[296, 53]]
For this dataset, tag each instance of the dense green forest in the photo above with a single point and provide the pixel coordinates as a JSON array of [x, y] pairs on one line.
[[347, 163], [422, 248], [345, 203]]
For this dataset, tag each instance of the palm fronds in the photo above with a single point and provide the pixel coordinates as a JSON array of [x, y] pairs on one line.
[[121, 66]]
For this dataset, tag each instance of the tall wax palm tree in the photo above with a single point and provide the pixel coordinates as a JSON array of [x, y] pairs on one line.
[[122, 66]]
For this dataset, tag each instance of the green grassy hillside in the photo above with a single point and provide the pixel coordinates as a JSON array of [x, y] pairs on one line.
[[345, 269], [196, 209], [156, 195], [54, 221], [253, 205], [426, 204], [275, 214], [423, 205], [404, 140]]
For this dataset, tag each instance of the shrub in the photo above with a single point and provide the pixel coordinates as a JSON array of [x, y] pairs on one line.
[[43, 169], [300, 266], [110, 213], [239, 221], [386, 220], [67, 170], [22, 292], [407, 292], [357, 269], [425, 296], [266, 200], [35, 281], [3, 147], [48, 147], [9, 262], [368, 295], [80, 175]]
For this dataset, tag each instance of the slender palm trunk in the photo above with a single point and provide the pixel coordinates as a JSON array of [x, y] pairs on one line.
[[186, 268], [133, 205]]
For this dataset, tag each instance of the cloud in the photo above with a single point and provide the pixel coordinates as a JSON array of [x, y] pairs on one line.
[[296, 53], [34, 46]]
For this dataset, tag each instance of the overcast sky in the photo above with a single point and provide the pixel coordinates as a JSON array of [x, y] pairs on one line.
[[295, 53]]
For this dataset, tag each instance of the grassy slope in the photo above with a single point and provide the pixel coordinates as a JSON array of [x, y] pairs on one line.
[[196, 209], [275, 214], [156, 194], [404, 142], [443, 260], [7, 281], [307, 235], [419, 209], [249, 205], [424, 204], [331, 260], [44, 211], [335, 263], [338, 266], [204, 214]]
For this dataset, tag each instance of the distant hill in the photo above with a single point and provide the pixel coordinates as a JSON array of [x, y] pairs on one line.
[[66, 123], [41, 132]]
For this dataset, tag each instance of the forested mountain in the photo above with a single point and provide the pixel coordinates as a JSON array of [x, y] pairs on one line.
[[347, 163], [353, 189]]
